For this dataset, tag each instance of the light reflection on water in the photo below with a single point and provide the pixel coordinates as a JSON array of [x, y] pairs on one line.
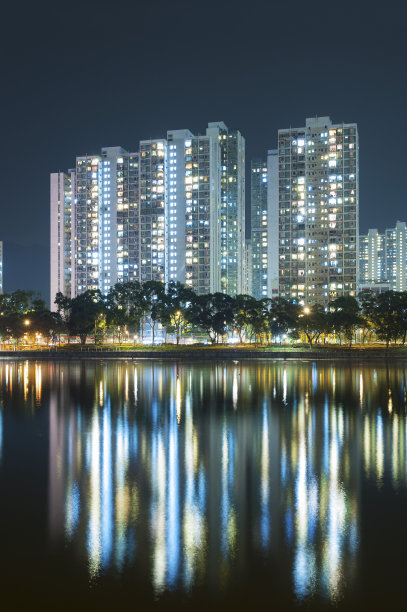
[[194, 468]]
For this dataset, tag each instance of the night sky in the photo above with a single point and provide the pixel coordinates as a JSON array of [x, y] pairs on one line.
[[77, 76]]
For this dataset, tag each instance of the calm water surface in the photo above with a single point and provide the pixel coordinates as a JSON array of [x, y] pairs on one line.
[[253, 485]]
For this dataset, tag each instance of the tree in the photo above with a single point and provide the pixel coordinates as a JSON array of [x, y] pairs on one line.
[[403, 315], [82, 314], [175, 309], [345, 316], [282, 315], [47, 323], [243, 307], [158, 310], [258, 319], [118, 308], [389, 316], [367, 301], [16, 310], [212, 313], [312, 321]]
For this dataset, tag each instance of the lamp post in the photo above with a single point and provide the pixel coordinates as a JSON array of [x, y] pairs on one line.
[[26, 323]]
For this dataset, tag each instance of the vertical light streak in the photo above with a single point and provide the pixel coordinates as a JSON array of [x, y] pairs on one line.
[[301, 568], [234, 389], [225, 503], [265, 481], [379, 449], [285, 385], [25, 380], [38, 384], [135, 383], [158, 517], [72, 508], [173, 512], [94, 551], [333, 554], [101, 394], [122, 501], [366, 444], [107, 488], [395, 450], [188, 518], [178, 399]]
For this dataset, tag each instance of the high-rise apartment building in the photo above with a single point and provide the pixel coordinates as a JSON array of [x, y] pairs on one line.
[[383, 258], [94, 223], [396, 256], [105, 220], [248, 268], [264, 225], [371, 257], [318, 205], [232, 237], [174, 210], [153, 210], [195, 207], [258, 213], [61, 239]]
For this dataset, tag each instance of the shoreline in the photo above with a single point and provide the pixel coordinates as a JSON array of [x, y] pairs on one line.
[[354, 354]]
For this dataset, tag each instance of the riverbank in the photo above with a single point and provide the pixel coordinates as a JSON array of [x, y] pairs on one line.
[[210, 353]]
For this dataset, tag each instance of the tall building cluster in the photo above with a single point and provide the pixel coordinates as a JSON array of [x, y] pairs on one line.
[[175, 210], [383, 259]]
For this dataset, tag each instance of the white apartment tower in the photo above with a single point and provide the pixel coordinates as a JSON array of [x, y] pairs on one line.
[[195, 210], [383, 258], [105, 220], [318, 203], [94, 223], [396, 256], [371, 258], [61, 240]]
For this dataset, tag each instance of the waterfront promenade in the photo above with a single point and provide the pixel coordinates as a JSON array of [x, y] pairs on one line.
[[208, 353]]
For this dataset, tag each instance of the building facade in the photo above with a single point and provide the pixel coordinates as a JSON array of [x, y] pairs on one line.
[[264, 225], [62, 186], [258, 214], [371, 257], [383, 258], [318, 209], [174, 210], [153, 210]]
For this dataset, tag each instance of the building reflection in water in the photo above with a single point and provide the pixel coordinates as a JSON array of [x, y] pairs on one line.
[[193, 469]]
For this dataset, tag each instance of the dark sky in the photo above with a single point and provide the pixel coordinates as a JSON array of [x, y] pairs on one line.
[[77, 76]]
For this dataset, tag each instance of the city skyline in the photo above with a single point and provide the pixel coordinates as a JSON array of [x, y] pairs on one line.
[[126, 90], [175, 211]]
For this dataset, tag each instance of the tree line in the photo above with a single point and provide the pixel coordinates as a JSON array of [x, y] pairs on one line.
[[135, 308]]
